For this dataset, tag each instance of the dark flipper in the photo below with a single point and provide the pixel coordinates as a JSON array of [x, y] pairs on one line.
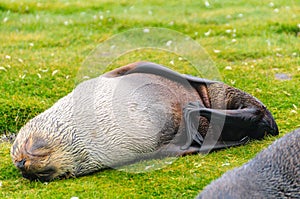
[[175, 150], [222, 144], [233, 119], [156, 69], [199, 84]]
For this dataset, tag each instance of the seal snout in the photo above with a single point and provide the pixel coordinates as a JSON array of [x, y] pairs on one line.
[[21, 164]]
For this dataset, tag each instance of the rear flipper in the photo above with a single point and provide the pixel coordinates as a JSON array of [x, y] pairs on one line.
[[237, 121]]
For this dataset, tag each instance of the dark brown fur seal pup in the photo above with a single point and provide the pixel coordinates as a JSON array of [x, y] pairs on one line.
[[142, 110], [273, 173]]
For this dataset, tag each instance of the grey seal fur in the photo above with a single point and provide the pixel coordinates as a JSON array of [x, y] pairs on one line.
[[139, 111], [273, 173]]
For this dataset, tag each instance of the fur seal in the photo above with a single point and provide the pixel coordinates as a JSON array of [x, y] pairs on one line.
[[273, 173], [142, 110]]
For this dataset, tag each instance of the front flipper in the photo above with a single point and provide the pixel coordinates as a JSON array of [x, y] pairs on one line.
[[199, 84], [156, 69], [175, 150]]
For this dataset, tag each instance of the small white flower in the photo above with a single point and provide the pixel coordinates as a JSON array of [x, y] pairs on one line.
[[276, 10], [197, 165], [68, 76], [207, 4], [101, 17], [216, 51], [7, 57], [54, 72], [172, 62], [271, 4], [196, 33], [31, 44], [286, 93], [228, 31], [146, 30], [180, 58], [294, 111], [8, 66], [0, 183], [39, 75], [148, 167], [2, 68], [240, 15], [295, 107], [169, 43], [225, 164], [66, 23], [171, 23], [228, 68], [233, 40], [44, 70], [298, 25], [74, 197], [207, 33], [228, 16], [5, 19], [20, 60]]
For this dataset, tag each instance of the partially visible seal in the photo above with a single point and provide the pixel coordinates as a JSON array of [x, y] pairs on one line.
[[142, 110], [273, 173]]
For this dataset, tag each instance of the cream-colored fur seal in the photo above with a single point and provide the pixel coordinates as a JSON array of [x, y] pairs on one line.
[[132, 113]]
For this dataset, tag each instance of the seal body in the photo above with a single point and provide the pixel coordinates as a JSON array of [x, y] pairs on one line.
[[130, 114], [273, 173], [93, 128]]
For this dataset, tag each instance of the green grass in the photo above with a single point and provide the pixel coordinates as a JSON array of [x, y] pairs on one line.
[[40, 38]]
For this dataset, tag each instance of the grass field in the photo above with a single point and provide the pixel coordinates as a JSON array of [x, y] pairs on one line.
[[43, 45]]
